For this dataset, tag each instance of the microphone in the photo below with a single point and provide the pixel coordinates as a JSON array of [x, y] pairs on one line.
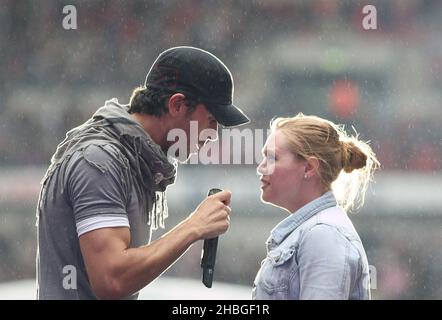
[[209, 253]]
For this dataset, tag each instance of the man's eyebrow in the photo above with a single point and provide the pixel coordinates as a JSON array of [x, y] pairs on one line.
[[210, 117]]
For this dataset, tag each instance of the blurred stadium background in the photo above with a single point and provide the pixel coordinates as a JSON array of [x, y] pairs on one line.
[[286, 57]]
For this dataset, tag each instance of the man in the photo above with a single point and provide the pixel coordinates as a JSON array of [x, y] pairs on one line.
[[107, 181]]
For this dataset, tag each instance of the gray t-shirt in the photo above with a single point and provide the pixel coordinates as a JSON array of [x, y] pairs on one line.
[[98, 192]]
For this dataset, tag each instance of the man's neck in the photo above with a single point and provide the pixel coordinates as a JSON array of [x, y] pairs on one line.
[[154, 126]]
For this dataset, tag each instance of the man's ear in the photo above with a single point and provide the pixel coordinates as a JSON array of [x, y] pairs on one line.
[[177, 105], [312, 167]]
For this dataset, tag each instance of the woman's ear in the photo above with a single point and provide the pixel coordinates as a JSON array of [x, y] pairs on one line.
[[312, 167], [177, 105]]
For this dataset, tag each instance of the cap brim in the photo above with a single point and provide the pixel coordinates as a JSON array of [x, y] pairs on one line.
[[229, 115]]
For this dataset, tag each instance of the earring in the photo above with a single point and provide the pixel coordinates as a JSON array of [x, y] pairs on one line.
[[305, 176]]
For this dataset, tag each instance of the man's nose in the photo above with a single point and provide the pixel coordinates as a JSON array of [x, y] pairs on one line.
[[214, 126]]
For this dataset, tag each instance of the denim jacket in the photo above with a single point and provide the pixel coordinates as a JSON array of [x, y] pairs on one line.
[[315, 253]]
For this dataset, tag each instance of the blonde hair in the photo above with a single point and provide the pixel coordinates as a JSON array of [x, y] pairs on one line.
[[346, 164]]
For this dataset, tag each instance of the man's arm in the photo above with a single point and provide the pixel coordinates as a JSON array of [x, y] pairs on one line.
[[116, 271]]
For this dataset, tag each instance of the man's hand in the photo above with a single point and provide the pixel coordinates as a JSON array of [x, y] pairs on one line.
[[116, 271], [212, 217]]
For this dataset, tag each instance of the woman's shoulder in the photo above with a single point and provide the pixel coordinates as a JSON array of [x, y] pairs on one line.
[[333, 216], [333, 219]]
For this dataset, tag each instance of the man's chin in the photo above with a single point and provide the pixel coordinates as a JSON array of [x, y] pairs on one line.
[[182, 159]]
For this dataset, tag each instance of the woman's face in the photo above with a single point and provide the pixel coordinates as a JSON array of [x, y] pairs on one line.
[[281, 172]]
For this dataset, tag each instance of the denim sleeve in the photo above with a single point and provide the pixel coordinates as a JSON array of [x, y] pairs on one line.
[[323, 264]]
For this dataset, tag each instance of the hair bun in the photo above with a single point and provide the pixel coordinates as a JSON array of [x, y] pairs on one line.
[[352, 157]]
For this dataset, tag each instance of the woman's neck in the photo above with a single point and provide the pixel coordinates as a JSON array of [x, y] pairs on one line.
[[302, 200]]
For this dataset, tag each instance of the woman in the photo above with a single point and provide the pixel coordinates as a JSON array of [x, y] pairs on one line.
[[316, 172]]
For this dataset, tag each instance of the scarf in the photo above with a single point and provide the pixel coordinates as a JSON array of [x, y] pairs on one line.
[[151, 169]]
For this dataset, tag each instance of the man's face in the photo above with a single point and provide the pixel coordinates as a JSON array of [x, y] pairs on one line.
[[193, 124]]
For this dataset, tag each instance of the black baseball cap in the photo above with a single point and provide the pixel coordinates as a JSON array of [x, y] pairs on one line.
[[201, 76]]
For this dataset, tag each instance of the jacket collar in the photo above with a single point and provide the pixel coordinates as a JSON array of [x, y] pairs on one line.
[[289, 224]]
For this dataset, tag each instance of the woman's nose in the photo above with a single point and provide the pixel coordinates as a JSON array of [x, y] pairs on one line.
[[261, 168]]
